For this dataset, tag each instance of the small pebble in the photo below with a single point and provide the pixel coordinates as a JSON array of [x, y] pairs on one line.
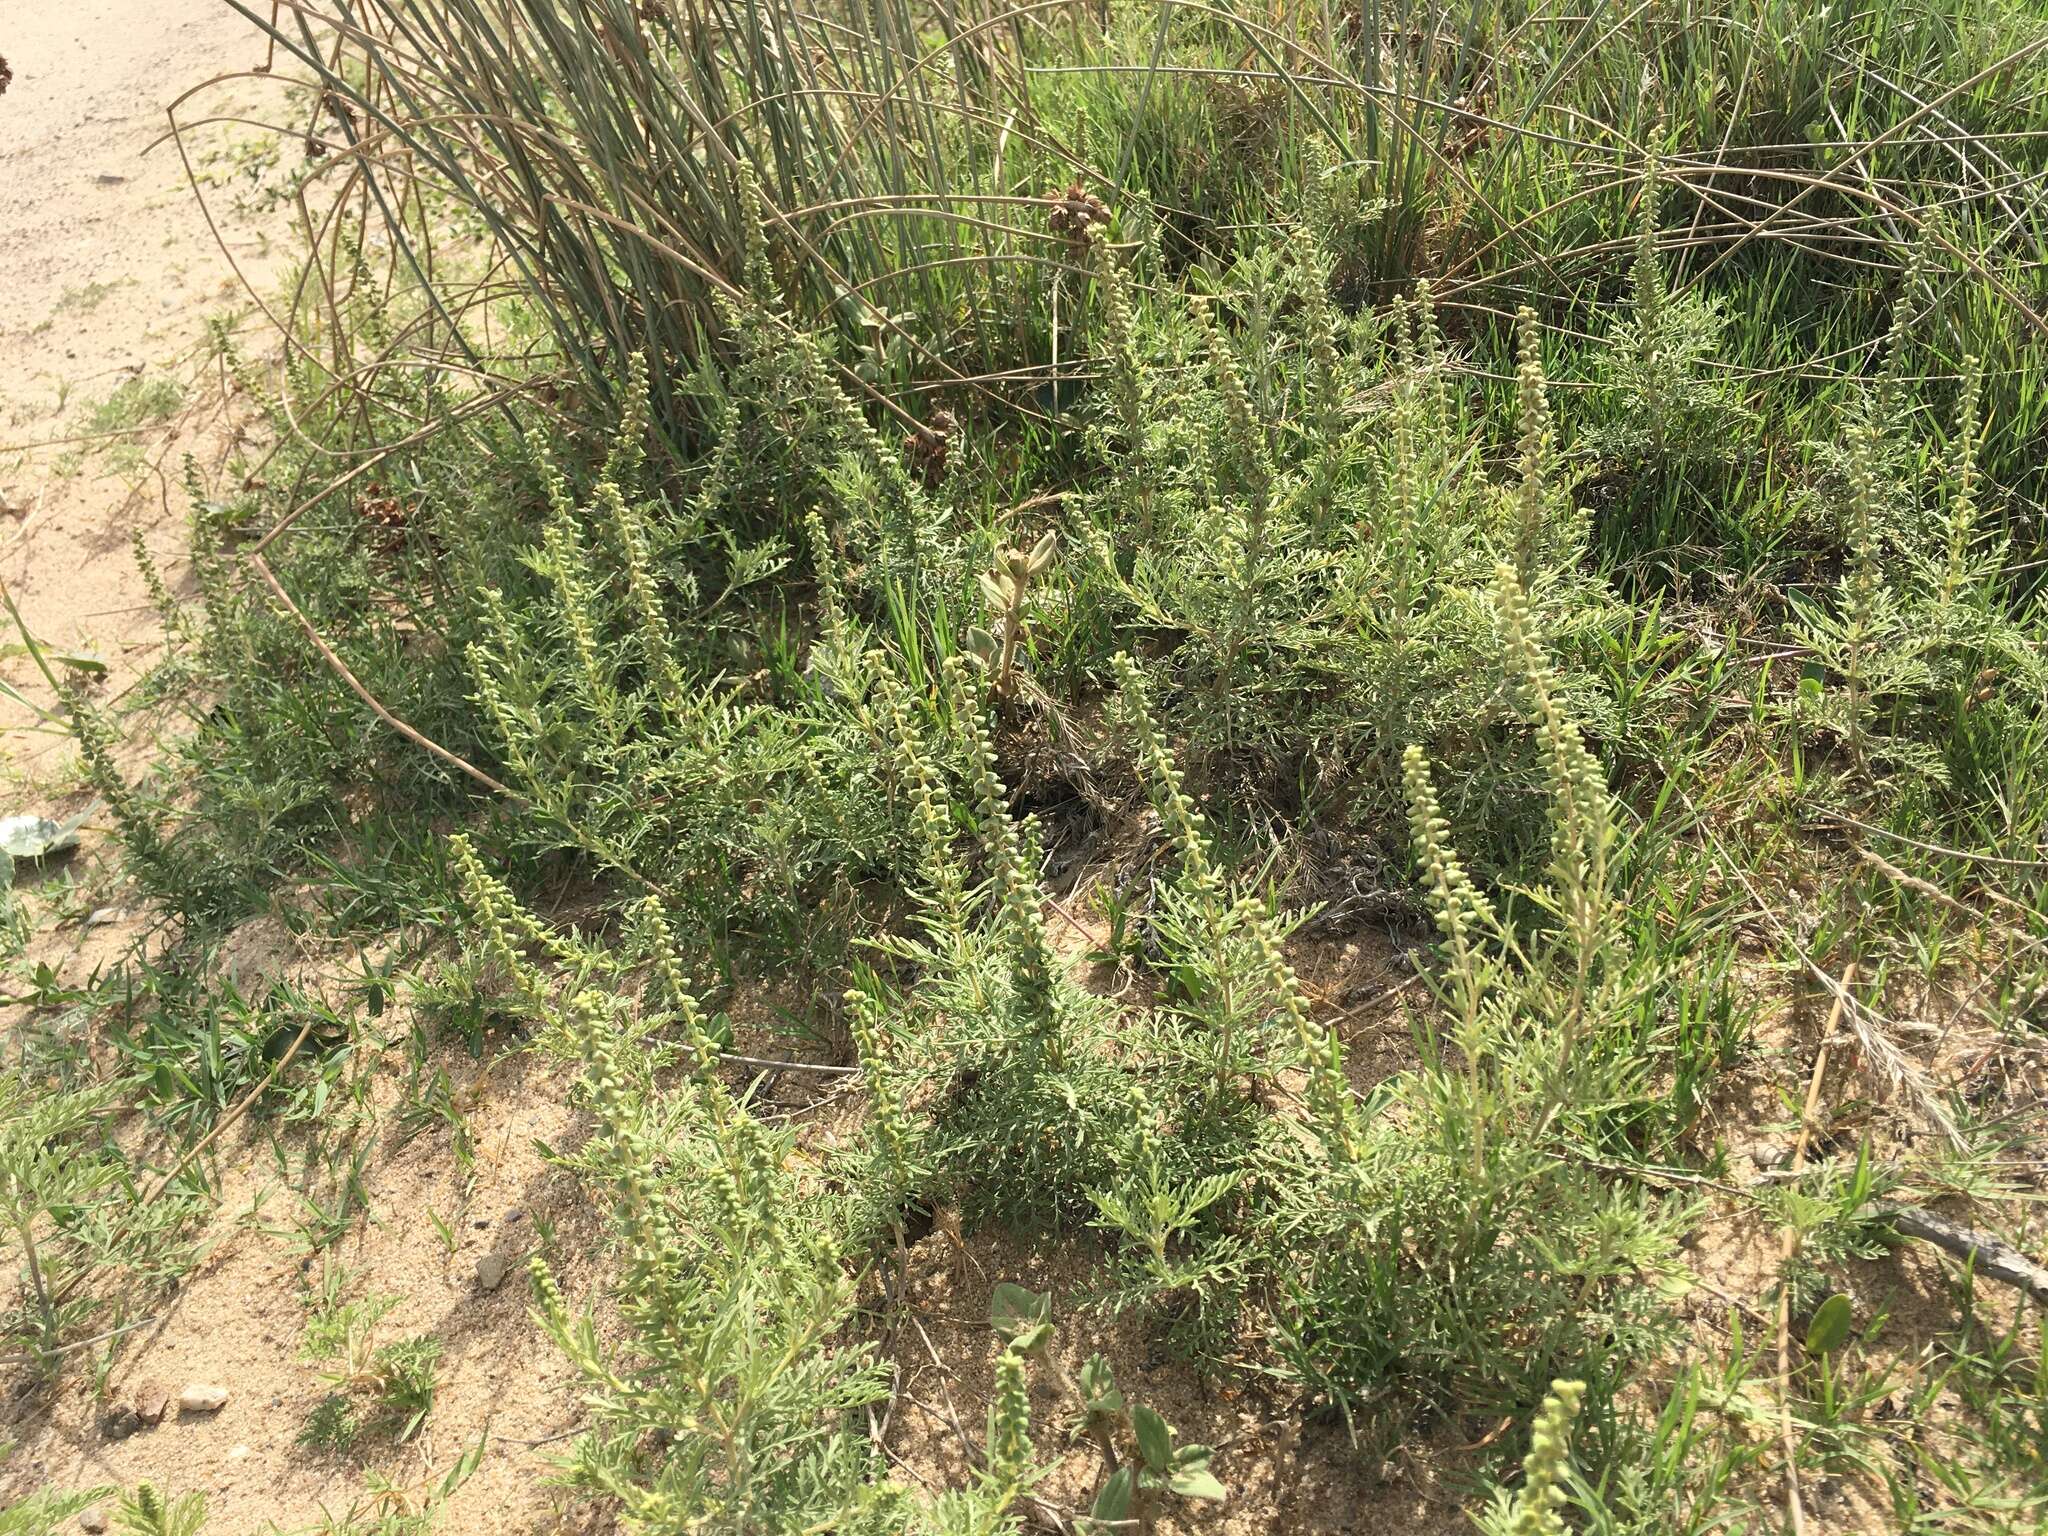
[[202, 1397], [152, 1402], [94, 1519]]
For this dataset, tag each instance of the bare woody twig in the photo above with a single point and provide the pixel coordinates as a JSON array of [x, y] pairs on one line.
[[1967, 855], [768, 1063], [1987, 1255], [227, 1121]]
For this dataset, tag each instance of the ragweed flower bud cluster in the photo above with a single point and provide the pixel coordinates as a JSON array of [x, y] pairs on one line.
[[1009, 1424], [1419, 348], [172, 616], [1461, 912], [1542, 1495], [864, 1017], [612, 1099], [1319, 325], [932, 810], [1969, 440], [656, 644], [1404, 532], [145, 845], [1247, 438], [1176, 807], [1016, 885], [1647, 278], [1329, 1090], [567, 562], [757, 274], [491, 663], [1126, 367], [507, 926], [659, 944], [1582, 819], [1537, 457], [628, 454], [1864, 587]]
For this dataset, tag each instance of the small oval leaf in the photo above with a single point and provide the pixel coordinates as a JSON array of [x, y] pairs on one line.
[[1113, 1503], [1155, 1440], [1012, 1310], [1829, 1330]]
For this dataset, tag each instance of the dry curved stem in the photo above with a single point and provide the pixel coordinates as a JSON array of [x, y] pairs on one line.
[[228, 1121], [433, 429], [419, 738], [341, 670], [1794, 1509], [1859, 153], [1966, 855]]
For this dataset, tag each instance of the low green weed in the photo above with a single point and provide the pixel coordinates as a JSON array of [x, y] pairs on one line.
[[381, 1389], [87, 1240], [46, 1511], [145, 1512]]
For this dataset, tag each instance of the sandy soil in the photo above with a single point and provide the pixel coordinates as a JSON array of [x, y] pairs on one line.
[[109, 274]]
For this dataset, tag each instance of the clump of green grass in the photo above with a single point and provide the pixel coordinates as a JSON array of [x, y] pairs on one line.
[[76, 301], [46, 1511], [138, 402]]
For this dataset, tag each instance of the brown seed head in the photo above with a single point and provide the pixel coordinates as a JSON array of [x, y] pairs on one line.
[[1075, 213]]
